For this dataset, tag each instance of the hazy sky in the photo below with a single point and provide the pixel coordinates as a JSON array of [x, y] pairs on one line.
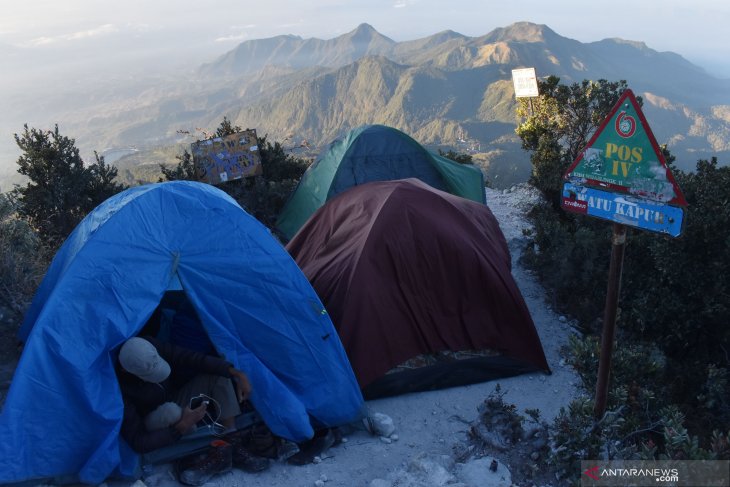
[[70, 30]]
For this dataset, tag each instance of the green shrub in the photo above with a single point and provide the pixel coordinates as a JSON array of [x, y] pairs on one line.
[[23, 260], [638, 423], [61, 189], [570, 253]]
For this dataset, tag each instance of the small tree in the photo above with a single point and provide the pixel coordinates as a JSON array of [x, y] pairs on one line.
[[102, 182], [184, 170], [61, 190], [559, 124]]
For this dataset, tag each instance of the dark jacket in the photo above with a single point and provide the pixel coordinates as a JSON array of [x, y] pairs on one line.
[[141, 398]]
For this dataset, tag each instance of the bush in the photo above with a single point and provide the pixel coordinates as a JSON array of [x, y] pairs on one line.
[[639, 424], [61, 188], [570, 253], [23, 261]]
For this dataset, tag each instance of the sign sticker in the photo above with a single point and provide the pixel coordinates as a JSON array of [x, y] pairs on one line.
[[223, 159]]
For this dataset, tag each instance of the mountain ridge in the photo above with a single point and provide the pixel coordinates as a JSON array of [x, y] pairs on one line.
[[446, 90], [296, 52], [452, 57]]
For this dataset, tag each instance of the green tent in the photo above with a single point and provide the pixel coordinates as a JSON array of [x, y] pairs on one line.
[[374, 153]]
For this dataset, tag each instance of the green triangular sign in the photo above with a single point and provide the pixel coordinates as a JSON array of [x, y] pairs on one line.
[[623, 156]]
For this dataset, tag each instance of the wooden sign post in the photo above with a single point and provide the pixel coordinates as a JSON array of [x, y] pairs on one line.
[[621, 176]]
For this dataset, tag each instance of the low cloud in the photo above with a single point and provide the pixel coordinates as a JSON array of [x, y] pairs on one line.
[[234, 37], [239, 36], [102, 30], [404, 3]]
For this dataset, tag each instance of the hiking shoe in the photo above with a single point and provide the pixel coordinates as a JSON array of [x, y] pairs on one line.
[[218, 459], [262, 442], [287, 449], [258, 440], [243, 457], [321, 442], [246, 461]]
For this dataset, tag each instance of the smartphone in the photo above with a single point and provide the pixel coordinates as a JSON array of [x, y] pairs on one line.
[[196, 401]]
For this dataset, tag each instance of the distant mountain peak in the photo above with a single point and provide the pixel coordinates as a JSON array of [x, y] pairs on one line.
[[523, 32], [635, 44], [447, 34], [366, 32], [365, 27]]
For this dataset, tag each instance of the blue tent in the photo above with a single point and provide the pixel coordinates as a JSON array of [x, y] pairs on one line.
[[63, 411]]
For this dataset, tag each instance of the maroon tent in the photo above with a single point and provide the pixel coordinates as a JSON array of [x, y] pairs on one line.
[[406, 270]]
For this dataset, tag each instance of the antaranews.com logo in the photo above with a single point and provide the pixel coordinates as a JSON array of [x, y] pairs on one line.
[[709, 473]]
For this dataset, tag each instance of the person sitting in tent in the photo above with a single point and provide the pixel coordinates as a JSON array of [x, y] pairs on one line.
[[159, 382]]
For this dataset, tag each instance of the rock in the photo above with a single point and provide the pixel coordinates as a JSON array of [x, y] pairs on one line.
[[424, 470], [489, 437], [318, 483], [379, 424], [386, 440], [562, 319], [394, 437], [477, 472], [535, 455], [432, 469], [317, 460]]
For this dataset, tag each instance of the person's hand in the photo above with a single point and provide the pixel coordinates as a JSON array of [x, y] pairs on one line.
[[243, 386], [190, 418]]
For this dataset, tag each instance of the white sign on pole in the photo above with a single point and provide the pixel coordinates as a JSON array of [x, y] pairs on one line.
[[525, 82]]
